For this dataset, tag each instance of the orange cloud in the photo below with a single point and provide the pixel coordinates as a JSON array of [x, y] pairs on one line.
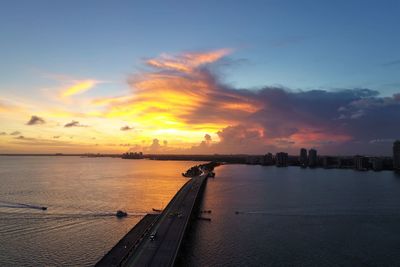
[[309, 137], [180, 98], [187, 62]]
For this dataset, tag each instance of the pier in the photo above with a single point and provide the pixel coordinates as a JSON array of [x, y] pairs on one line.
[[158, 240]]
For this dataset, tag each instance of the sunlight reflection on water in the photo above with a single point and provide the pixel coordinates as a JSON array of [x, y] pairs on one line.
[[82, 196]]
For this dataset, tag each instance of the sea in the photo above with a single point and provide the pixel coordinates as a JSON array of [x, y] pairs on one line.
[[260, 215]]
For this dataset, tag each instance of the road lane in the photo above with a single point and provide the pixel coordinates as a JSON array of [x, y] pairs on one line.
[[170, 227]]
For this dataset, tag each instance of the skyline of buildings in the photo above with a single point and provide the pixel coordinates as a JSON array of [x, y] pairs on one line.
[[312, 160]]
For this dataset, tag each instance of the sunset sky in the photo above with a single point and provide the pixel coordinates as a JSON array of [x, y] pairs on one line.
[[199, 76]]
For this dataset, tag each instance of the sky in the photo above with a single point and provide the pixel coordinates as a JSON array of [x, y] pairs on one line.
[[199, 77]]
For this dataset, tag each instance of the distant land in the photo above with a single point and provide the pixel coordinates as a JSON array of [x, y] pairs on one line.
[[280, 159]]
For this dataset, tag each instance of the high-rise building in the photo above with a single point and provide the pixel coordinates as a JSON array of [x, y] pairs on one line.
[[396, 155], [303, 157], [281, 159], [312, 158]]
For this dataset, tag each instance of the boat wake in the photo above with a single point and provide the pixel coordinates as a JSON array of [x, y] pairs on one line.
[[15, 205], [61, 216]]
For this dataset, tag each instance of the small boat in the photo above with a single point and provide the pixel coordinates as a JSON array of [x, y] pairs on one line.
[[121, 214], [44, 208]]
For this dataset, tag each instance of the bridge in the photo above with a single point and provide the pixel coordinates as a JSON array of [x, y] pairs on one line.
[[155, 241]]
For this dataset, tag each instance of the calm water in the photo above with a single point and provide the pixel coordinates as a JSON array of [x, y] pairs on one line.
[[288, 216], [298, 217], [81, 194]]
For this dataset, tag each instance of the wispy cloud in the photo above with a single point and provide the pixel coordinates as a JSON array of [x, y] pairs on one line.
[[35, 120], [15, 133], [382, 140], [79, 87], [187, 62], [392, 63], [38, 142], [7, 106]]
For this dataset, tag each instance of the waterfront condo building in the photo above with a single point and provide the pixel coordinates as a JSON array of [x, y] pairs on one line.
[[303, 157], [312, 158], [361, 163], [281, 159]]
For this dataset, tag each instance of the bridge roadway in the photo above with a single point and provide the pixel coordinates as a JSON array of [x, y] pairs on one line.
[[170, 228]]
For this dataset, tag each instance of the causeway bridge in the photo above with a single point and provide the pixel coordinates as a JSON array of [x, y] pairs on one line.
[[156, 239]]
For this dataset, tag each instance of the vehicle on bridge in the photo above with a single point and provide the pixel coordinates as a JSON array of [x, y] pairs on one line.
[[153, 235]]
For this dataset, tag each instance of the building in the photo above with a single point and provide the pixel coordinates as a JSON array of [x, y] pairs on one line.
[[329, 162], [387, 163], [268, 159], [281, 159], [361, 163], [303, 157], [254, 160], [345, 162], [377, 164], [312, 158], [132, 155], [396, 155]]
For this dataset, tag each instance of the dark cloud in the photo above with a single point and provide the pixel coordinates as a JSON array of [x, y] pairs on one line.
[[126, 128], [56, 136], [341, 121], [74, 124], [35, 120], [207, 138], [3, 133], [15, 133]]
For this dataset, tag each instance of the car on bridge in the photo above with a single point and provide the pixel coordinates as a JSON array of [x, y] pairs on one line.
[[153, 235]]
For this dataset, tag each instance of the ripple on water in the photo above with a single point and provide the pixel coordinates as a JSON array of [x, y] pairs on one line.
[[82, 196]]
